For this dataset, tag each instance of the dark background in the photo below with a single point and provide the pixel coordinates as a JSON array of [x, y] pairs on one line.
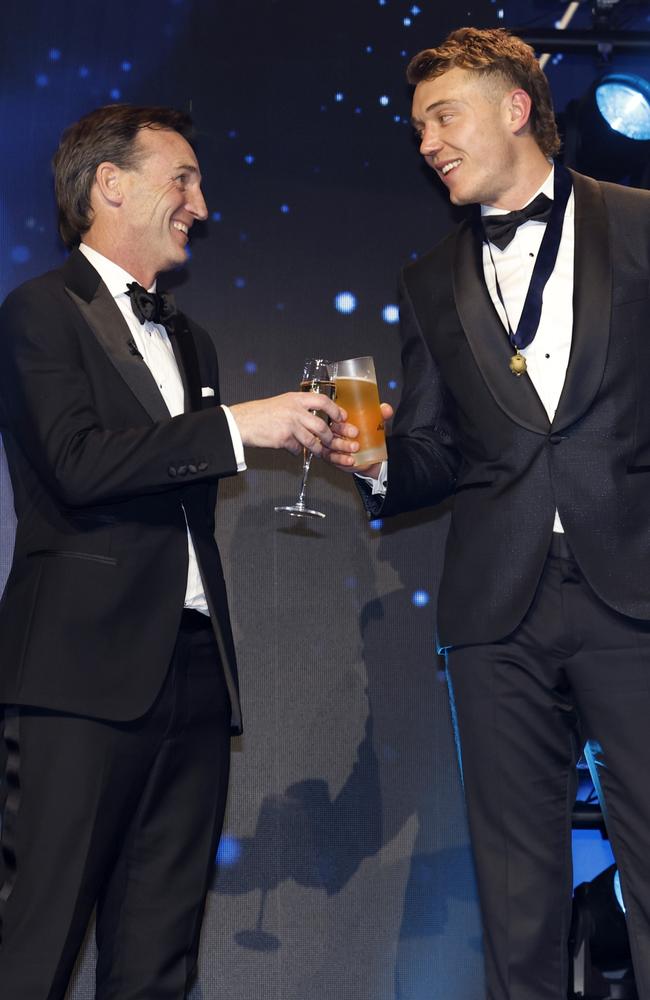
[[345, 869]]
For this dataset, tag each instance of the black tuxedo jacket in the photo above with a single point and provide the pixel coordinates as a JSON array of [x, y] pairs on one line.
[[104, 480], [466, 426]]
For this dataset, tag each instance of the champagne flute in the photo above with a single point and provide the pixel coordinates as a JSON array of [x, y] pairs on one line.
[[317, 378]]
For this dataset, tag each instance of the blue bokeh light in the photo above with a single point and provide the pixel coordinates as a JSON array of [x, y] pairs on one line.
[[55, 54], [420, 598], [84, 72], [285, 209], [338, 97], [115, 94], [20, 254], [392, 384], [390, 314], [250, 367], [42, 79], [384, 100], [376, 524], [126, 66], [216, 216], [229, 851], [249, 159], [240, 282], [345, 302]]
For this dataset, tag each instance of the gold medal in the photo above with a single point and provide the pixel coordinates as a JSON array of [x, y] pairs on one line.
[[517, 364]]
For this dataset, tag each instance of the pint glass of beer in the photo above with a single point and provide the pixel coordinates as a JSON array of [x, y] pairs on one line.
[[356, 392]]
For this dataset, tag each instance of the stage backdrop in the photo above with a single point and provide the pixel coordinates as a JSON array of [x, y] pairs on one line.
[[344, 873]]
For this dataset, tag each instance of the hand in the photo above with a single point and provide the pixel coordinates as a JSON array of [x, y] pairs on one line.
[[341, 451], [287, 421]]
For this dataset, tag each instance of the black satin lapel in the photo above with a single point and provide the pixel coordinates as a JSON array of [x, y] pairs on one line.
[[488, 339], [107, 323], [592, 295], [187, 360]]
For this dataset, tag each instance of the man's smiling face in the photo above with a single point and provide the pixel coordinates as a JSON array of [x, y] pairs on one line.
[[163, 199], [466, 133]]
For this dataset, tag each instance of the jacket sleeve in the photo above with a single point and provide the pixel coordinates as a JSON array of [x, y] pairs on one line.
[[47, 405], [422, 459]]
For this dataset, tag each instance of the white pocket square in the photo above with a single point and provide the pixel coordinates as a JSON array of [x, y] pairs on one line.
[[206, 390]]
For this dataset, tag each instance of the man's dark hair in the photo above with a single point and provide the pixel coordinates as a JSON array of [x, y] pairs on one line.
[[493, 52], [106, 134]]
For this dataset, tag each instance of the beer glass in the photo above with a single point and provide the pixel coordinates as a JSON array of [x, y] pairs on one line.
[[316, 378], [356, 392]]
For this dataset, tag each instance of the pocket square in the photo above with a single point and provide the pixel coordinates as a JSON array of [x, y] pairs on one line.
[[206, 390]]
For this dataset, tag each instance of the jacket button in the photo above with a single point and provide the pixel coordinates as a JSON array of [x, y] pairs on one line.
[[556, 439], [171, 471], [182, 470], [202, 466], [192, 468]]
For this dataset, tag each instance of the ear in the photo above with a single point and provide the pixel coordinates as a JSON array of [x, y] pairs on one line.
[[108, 183], [518, 106]]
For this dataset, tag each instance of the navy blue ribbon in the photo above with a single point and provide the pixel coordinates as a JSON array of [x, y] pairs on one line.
[[546, 258]]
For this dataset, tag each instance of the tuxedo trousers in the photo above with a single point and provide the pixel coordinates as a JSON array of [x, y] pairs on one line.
[[573, 671], [124, 817]]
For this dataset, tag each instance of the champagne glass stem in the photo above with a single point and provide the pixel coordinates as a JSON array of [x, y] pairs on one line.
[[306, 465]]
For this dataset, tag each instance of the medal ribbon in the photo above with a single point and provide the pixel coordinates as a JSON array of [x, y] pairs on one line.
[[546, 258]]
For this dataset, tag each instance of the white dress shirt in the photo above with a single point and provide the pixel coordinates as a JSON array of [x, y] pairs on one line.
[[547, 357], [154, 345]]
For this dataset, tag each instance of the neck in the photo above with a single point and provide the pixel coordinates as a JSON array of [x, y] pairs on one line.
[[527, 179], [112, 249]]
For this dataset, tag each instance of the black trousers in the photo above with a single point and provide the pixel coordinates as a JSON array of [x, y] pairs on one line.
[[573, 671], [124, 816]]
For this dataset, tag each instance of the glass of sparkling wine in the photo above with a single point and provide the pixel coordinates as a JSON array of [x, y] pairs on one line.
[[356, 392], [316, 378]]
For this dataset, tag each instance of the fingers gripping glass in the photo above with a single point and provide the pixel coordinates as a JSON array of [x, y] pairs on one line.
[[316, 378]]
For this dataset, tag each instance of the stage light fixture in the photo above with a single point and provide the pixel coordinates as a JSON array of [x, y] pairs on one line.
[[624, 102], [607, 130]]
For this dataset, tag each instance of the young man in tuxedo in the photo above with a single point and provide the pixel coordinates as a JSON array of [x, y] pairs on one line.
[[117, 666], [526, 370]]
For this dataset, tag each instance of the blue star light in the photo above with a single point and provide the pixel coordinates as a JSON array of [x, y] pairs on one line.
[[20, 254], [345, 302], [390, 314], [229, 851]]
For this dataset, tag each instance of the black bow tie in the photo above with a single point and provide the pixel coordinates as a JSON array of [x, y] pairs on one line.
[[153, 306], [500, 229]]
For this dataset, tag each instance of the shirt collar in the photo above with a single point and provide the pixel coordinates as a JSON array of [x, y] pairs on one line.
[[546, 188], [114, 277]]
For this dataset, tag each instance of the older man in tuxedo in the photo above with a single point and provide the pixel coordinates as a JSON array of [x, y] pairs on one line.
[[526, 361], [117, 666]]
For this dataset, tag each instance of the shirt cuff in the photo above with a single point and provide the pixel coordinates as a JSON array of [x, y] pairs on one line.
[[378, 485], [237, 443]]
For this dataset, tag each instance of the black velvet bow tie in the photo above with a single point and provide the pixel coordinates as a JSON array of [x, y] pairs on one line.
[[500, 229], [153, 306]]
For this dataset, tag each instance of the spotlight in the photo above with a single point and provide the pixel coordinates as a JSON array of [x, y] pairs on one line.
[[607, 131], [624, 102]]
